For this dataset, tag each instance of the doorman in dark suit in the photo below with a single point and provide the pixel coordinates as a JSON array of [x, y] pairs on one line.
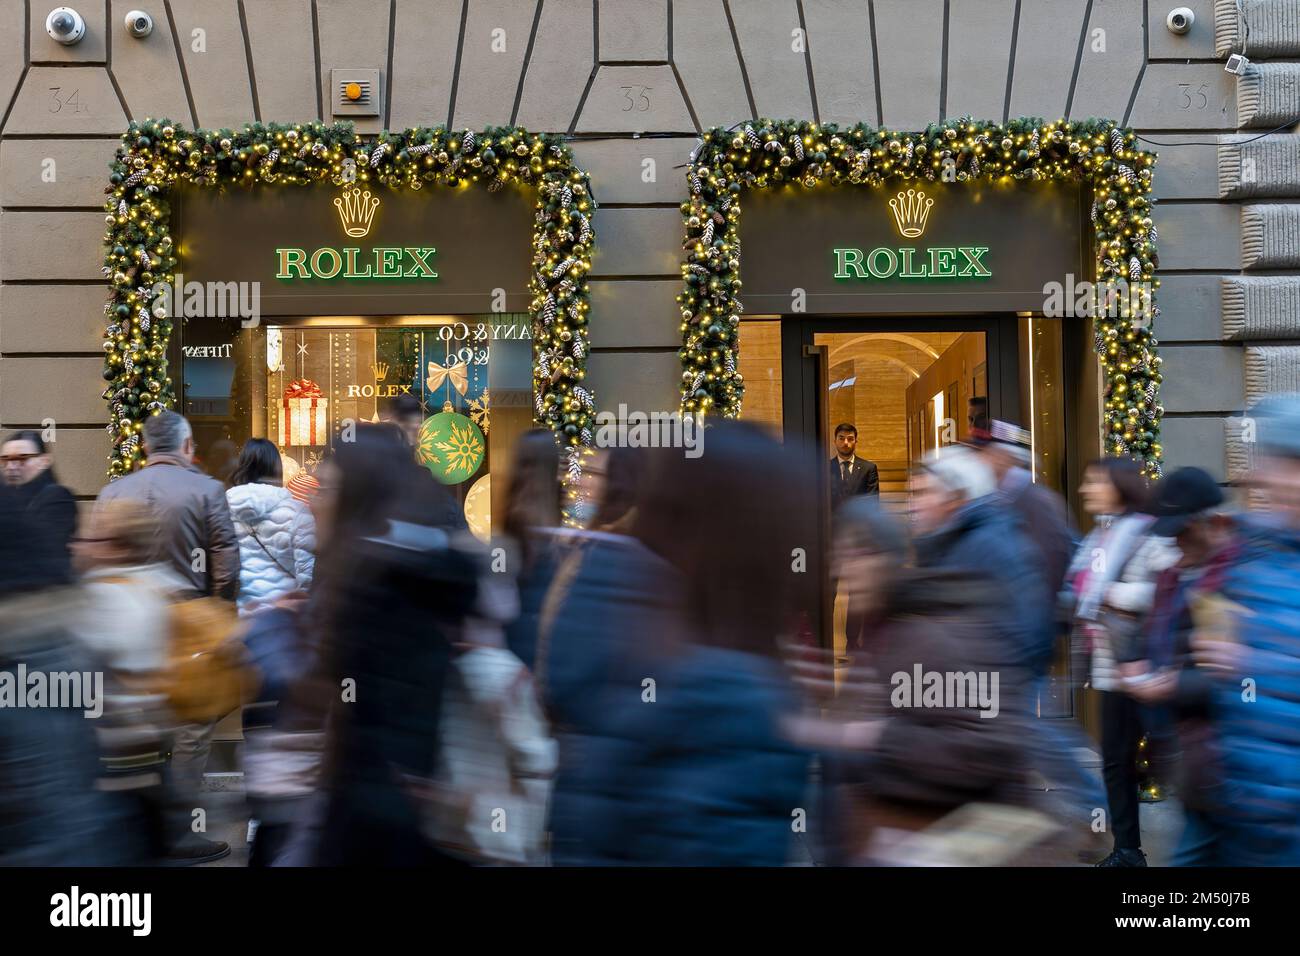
[[849, 476]]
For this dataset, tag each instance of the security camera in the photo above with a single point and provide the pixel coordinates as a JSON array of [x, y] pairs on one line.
[[1237, 64], [139, 23], [1180, 20], [65, 25]]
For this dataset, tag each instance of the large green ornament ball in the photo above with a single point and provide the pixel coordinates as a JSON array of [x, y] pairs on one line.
[[451, 446]]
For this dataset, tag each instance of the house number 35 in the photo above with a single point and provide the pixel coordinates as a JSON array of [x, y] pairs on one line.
[[640, 102]]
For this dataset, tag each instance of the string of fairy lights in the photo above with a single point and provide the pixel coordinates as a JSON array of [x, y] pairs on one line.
[[157, 156], [765, 153]]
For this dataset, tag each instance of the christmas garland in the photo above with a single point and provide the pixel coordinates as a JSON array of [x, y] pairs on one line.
[[766, 152], [156, 155]]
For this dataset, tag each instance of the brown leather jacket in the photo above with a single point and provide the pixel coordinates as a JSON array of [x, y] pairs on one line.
[[192, 516]]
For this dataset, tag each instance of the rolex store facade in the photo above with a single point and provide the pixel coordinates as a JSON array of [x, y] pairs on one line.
[[435, 293]]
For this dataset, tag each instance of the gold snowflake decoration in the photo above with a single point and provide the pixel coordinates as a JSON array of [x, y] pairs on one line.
[[480, 413], [462, 449]]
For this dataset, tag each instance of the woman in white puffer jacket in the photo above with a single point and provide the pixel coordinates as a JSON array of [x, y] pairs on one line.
[[277, 534]]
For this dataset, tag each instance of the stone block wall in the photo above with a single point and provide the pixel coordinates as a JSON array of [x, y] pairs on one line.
[[633, 81]]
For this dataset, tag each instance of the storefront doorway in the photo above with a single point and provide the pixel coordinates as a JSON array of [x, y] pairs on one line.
[[909, 384]]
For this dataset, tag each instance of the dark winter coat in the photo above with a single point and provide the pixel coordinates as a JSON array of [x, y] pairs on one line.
[[612, 608], [947, 622], [387, 632], [1045, 521], [703, 776], [985, 538], [52, 516], [1259, 725]]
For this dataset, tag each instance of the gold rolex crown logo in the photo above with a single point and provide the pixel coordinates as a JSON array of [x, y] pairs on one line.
[[381, 371], [911, 210], [356, 210]]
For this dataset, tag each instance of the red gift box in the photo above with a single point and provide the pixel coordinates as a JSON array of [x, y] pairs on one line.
[[303, 414]]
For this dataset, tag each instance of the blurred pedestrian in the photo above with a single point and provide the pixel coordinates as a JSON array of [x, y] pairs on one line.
[[1175, 694], [392, 588], [125, 624], [1248, 640], [28, 468], [196, 539], [1043, 514], [277, 536], [960, 523], [1007, 449], [533, 513], [662, 668], [51, 812], [1110, 587], [891, 762]]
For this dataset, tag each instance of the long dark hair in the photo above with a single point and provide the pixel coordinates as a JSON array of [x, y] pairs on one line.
[[730, 521], [624, 472], [259, 463], [533, 495], [1125, 475]]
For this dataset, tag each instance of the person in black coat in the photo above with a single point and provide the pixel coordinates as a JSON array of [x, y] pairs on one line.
[[850, 475], [394, 581], [48, 504], [51, 811]]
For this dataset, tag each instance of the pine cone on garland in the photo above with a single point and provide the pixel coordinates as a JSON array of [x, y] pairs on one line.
[[1116, 141], [270, 159], [468, 141], [798, 147], [751, 138]]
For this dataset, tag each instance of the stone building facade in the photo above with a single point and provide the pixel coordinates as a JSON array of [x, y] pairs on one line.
[[633, 82]]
